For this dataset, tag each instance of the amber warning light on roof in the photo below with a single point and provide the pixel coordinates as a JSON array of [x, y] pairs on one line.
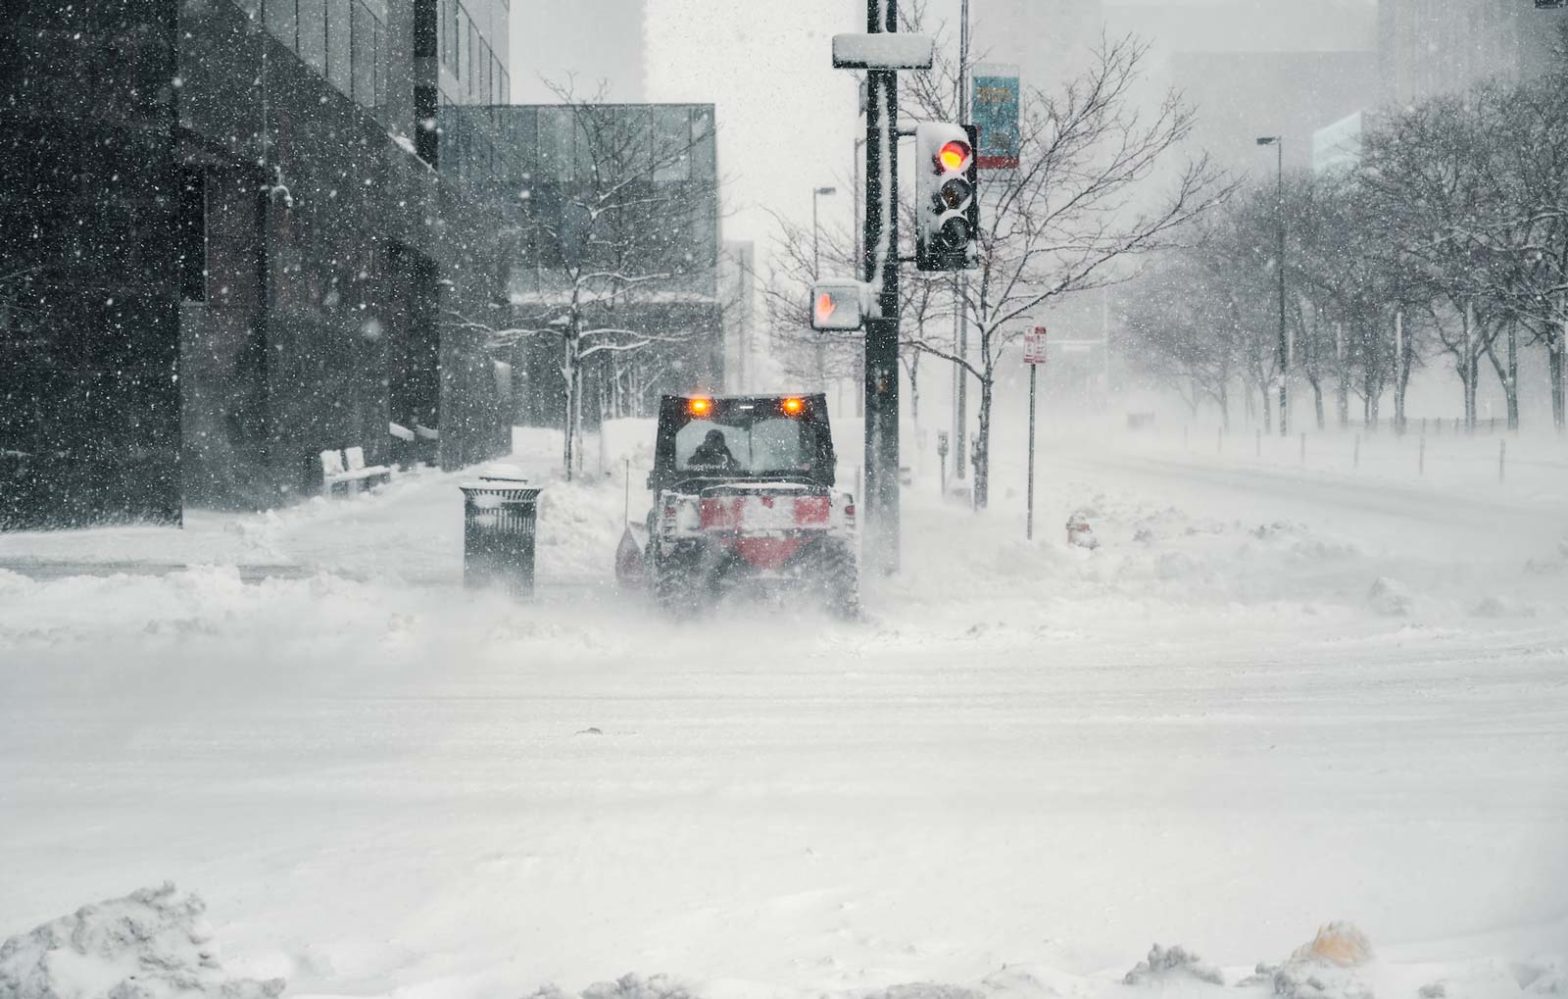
[[699, 407], [794, 406]]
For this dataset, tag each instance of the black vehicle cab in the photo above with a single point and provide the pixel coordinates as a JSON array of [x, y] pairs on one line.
[[705, 440]]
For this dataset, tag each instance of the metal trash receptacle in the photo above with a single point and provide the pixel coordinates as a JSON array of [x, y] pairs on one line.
[[500, 524]]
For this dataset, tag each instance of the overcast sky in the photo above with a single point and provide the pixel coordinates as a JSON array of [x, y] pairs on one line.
[[787, 119]]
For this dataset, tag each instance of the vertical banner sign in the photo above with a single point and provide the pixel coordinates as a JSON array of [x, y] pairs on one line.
[[1034, 356], [995, 111]]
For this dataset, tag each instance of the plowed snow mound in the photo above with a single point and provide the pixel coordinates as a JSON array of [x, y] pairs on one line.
[[1327, 966], [1167, 963], [152, 944]]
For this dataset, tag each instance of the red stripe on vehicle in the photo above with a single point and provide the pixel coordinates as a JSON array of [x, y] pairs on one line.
[[812, 510]]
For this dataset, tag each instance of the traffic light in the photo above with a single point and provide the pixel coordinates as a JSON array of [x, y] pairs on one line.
[[836, 305], [947, 196]]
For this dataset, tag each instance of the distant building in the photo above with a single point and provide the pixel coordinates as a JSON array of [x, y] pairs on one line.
[[738, 299], [580, 44], [1432, 47], [228, 249], [1336, 148], [666, 239], [1240, 96]]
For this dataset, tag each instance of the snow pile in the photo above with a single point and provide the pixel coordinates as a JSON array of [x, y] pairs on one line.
[[1389, 597], [1080, 533], [1327, 967], [925, 990], [1167, 963], [628, 986], [1542, 978], [152, 944]]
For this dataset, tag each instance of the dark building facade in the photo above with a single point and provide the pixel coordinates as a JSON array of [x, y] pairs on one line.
[[237, 248]]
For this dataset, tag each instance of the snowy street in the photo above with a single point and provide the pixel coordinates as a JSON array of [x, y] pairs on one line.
[[1274, 697]]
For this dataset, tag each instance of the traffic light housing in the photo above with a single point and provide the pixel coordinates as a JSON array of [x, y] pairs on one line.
[[947, 196]]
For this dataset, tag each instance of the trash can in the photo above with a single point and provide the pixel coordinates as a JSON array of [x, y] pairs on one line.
[[500, 514]]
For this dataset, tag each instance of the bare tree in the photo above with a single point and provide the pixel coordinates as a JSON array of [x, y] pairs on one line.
[[604, 248], [1078, 204]]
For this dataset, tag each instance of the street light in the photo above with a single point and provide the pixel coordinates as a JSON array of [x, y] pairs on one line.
[[1278, 142], [816, 239]]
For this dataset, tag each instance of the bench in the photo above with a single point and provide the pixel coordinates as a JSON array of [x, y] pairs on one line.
[[347, 468]]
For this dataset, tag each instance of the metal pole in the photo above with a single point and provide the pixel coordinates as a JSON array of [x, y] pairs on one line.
[[816, 275], [881, 269], [1034, 370], [816, 241], [961, 282], [1284, 346]]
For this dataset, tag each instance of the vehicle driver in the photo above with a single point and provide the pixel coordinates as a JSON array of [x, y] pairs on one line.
[[714, 452]]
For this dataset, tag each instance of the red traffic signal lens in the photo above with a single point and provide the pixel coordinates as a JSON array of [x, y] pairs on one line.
[[953, 155]]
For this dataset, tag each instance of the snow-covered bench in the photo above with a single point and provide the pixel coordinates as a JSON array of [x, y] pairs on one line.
[[347, 468]]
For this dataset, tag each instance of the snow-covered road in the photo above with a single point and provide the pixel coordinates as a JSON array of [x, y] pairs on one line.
[[1272, 699]]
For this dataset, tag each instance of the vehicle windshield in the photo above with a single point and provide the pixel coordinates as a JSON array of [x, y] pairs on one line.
[[744, 444]]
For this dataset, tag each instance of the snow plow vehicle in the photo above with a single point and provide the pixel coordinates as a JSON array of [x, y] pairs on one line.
[[743, 496]]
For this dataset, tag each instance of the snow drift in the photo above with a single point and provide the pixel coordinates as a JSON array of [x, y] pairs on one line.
[[151, 944]]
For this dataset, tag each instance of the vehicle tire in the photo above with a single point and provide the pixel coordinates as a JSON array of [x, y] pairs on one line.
[[840, 580], [676, 585]]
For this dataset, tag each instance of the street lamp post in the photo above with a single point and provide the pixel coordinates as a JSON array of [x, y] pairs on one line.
[[1278, 142], [816, 270], [816, 239]]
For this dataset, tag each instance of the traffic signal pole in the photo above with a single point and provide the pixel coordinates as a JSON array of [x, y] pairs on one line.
[[880, 268]]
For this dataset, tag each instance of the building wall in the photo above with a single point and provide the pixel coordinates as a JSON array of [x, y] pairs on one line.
[[1242, 95], [588, 45], [279, 241], [89, 328], [1433, 47], [738, 299], [545, 157]]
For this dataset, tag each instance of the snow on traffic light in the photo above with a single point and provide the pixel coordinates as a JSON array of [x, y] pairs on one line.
[[947, 197]]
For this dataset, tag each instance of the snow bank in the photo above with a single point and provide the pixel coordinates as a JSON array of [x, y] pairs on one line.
[[1327, 967], [1167, 964], [630, 986], [151, 944]]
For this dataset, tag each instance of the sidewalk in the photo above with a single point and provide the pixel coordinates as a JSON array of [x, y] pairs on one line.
[[409, 531]]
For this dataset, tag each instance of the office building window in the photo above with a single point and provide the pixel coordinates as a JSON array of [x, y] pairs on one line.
[[340, 45], [283, 22], [312, 21]]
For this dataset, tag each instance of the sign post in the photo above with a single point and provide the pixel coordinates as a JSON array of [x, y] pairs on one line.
[[1034, 356]]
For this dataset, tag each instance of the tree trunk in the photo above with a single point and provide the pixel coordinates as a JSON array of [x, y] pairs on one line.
[[981, 459], [1224, 395], [1471, 361], [1317, 397], [1401, 371], [1268, 409], [1554, 346], [1511, 383], [1341, 378], [569, 418], [1371, 376]]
